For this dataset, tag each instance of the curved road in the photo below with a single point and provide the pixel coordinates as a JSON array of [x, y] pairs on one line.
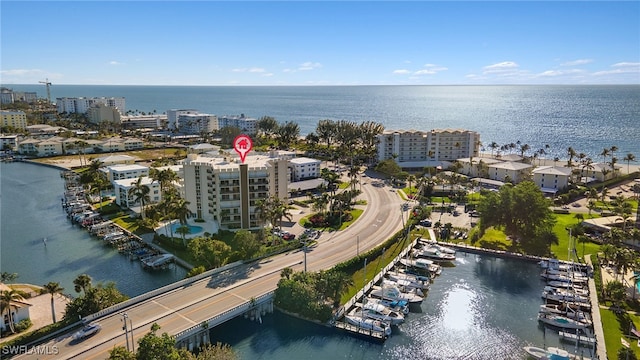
[[185, 307]]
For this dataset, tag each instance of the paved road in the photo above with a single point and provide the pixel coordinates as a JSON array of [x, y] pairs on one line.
[[183, 308]]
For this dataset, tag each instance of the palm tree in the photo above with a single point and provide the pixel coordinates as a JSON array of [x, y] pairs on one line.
[[605, 152], [572, 153], [82, 283], [493, 146], [629, 158], [7, 297], [6, 277], [52, 288], [326, 131], [183, 230], [141, 193]]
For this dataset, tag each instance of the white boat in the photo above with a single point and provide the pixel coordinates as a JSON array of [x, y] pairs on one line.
[[562, 322], [434, 254], [400, 306], [548, 353], [405, 286], [575, 290], [157, 260], [554, 264], [379, 312], [575, 279], [564, 284], [369, 324], [443, 249], [394, 294], [564, 296], [578, 315], [413, 279], [422, 264]]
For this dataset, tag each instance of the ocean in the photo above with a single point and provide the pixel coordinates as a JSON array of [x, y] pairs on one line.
[[588, 118]]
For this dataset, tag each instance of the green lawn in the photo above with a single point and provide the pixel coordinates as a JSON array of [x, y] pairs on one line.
[[613, 332], [563, 221]]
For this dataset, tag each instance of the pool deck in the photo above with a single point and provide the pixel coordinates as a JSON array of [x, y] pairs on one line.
[[209, 227]]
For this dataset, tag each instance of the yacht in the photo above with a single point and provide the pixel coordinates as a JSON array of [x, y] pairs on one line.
[[563, 296], [395, 305], [443, 249], [405, 286], [422, 264], [581, 316], [548, 353], [369, 324], [562, 322], [394, 294], [434, 254], [575, 290], [420, 282], [380, 312]]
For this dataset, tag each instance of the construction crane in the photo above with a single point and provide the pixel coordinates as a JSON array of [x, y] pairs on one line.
[[48, 85]]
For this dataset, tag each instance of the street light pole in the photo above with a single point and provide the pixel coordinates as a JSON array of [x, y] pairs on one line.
[[358, 245], [126, 330]]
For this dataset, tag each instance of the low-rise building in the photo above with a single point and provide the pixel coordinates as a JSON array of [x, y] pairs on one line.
[[551, 179], [303, 168], [9, 142], [513, 172], [99, 112], [197, 123], [247, 125], [19, 311], [124, 191], [125, 171]]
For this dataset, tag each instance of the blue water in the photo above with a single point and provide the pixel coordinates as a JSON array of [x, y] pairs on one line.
[[193, 229], [587, 118], [31, 210], [483, 308]]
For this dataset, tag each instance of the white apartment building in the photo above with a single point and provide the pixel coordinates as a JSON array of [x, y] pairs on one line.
[[124, 193], [9, 142], [80, 105], [551, 179], [15, 119], [247, 125], [416, 149], [194, 124], [173, 114], [221, 189], [513, 172], [125, 171], [304, 168], [144, 121]]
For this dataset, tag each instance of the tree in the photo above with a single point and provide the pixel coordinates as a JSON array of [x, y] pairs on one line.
[[213, 253], [524, 212], [267, 126], [120, 353], [216, 352], [52, 288], [287, 134], [7, 299], [82, 283], [247, 244], [95, 299], [140, 192], [183, 230], [7, 277], [163, 347], [326, 130], [629, 158]]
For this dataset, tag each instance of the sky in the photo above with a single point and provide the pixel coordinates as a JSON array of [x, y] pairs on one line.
[[320, 43]]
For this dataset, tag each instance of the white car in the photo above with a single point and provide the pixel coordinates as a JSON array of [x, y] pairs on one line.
[[88, 330]]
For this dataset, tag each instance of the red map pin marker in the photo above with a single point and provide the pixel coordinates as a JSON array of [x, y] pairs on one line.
[[242, 144]]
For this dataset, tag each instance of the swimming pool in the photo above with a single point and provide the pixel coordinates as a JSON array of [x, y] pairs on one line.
[[193, 229]]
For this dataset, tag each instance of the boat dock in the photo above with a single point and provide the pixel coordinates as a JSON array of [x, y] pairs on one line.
[[340, 321]]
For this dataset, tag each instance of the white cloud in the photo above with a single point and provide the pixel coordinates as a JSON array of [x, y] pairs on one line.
[[430, 69], [238, 70], [267, 74], [21, 72], [309, 66], [256, 70], [114, 62], [627, 64], [401, 72], [556, 73], [577, 62], [505, 66]]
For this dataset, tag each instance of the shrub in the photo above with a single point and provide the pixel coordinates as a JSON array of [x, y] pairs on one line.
[[23, 325]]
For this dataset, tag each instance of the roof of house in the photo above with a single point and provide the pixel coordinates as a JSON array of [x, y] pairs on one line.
[[553, 170], [510, 165]]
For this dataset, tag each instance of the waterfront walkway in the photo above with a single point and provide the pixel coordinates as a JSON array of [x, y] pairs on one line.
[[601, 348]]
